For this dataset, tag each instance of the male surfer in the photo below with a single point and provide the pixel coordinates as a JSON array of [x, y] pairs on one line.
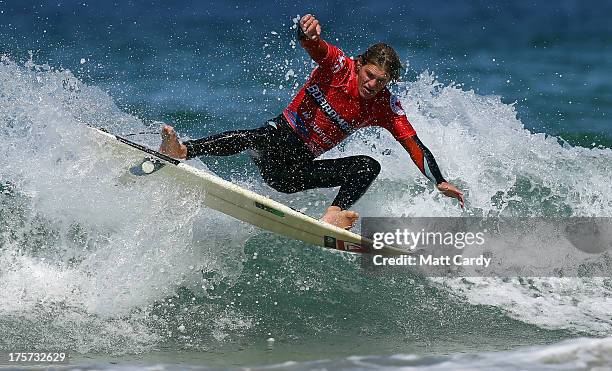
[[341, 96]]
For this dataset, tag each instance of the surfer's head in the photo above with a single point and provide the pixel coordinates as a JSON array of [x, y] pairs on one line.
[[378, 66]]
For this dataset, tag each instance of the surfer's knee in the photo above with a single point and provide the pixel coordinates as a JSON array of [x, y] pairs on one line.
[[368, 166]]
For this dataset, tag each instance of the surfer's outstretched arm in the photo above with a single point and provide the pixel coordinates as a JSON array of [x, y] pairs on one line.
[[309, 35], [425, 161], [423, 158]]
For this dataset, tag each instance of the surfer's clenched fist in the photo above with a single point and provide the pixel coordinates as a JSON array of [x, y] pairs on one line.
[[310, 27]]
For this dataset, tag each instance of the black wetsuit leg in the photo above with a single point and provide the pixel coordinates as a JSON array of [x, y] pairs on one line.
[[353, 175], [287, 165], [230, 142]]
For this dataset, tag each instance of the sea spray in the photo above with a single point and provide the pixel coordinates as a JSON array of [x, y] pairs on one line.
[[126, 268], [85, 256]]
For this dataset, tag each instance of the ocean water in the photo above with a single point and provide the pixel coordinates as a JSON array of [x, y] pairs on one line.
[[513, 99]]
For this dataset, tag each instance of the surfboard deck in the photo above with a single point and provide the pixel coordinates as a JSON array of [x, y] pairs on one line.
[[233, 200]]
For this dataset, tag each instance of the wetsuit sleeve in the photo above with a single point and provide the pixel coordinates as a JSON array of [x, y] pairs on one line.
[[333, 59], [390, 115], [423, 158], [399, 127], [317, 49], [393, 118], [192, 149]]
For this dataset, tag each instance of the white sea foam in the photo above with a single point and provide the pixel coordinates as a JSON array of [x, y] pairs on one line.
[[482, 146], [76, 237], [79, 246]]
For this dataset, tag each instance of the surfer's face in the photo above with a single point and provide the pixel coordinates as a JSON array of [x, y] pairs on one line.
[[370, 80]]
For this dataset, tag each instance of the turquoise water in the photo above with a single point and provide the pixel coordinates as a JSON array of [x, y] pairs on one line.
[[130, 276]]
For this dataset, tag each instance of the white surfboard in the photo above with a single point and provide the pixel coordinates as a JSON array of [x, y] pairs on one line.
[[236, 201]]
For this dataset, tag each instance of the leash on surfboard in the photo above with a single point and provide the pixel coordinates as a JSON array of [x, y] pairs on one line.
[[142, 133], [146, 132]]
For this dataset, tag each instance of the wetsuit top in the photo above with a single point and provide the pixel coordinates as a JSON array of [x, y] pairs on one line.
[[329, 108]]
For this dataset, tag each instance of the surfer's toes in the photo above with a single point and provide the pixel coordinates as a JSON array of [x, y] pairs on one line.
[[170, 144], [351, 214], [351, 219], [167, 132], [340, 218]]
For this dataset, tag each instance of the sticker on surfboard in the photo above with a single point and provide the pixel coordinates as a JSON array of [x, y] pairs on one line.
[[269, 209], [147, 166], [334, 243]]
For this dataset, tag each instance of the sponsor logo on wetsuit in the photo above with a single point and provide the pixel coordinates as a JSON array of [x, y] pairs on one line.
[[298, 123], [339, 64], [300, 128], [315, 93]]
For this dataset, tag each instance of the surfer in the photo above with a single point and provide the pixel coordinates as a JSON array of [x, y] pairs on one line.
[[341, 96]]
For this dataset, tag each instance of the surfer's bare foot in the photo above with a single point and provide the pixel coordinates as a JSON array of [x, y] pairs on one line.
[[170, 144], [340, 218]]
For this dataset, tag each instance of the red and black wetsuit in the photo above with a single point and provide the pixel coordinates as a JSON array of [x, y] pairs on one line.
[[329, 108], [325, 111]]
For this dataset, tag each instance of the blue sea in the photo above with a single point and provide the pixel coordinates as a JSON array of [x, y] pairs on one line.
[[513, 98]]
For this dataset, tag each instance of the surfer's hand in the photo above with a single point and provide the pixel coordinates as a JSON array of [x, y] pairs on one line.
[[450, 190], [311, 27]]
